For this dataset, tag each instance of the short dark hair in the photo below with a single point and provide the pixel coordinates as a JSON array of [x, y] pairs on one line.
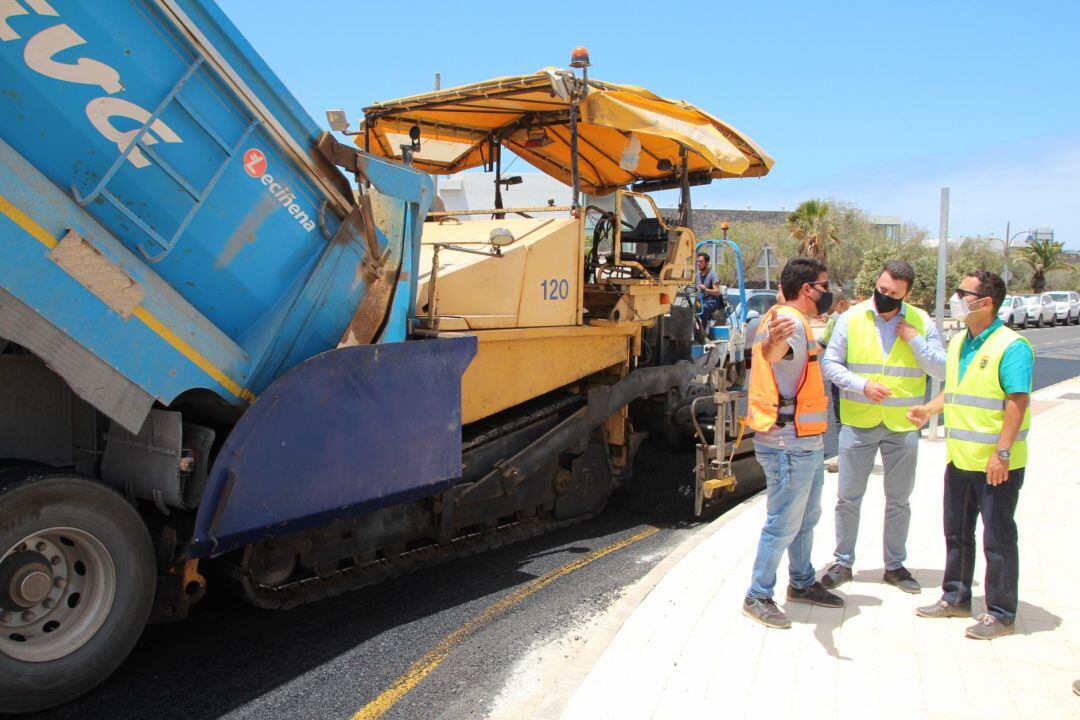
[[797, 272], [900, 270], [990, 285], [705, 255]]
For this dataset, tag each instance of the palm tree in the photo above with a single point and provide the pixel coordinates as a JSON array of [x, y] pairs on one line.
[[812, 225], [1042, 256]]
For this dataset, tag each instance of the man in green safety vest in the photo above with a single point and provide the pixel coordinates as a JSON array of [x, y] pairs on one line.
[[879, 356], [987, 389]]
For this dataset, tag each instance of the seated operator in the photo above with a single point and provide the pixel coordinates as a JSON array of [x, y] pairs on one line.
[[708, 284]]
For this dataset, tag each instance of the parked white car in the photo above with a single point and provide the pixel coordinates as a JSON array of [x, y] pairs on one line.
[[1013, 311], [1066, 307], [1040, 309]]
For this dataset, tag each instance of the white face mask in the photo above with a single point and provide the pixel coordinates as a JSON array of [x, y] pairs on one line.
[[958, 308]]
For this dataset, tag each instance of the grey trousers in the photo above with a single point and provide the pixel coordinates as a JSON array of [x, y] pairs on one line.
[[899, 452]]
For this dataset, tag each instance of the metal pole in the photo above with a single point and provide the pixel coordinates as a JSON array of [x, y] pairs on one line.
[[435, 177], [575, 181], [685, 213], [939, 319]]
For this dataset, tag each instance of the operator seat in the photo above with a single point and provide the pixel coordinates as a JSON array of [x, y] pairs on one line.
[[647, 243]]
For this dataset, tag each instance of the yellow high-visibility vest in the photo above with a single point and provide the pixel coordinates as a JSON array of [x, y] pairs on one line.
[[899, 372], [975, 405]]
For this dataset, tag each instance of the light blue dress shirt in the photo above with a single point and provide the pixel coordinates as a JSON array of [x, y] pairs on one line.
[[928, 350]]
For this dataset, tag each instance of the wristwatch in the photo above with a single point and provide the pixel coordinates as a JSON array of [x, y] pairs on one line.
[[1004, 454]]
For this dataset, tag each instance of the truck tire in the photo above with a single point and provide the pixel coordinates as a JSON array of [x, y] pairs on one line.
[[77, 580]]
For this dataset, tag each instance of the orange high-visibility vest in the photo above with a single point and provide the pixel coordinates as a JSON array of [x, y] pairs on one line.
[[808, 409]]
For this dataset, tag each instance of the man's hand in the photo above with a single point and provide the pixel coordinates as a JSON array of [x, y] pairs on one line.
[[701, 287], [876, 392], [997, 470], [919, 415], [906, 330], [781, 327], [776, 346]]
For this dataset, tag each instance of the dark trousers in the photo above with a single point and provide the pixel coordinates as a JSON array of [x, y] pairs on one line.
[[967, 497]]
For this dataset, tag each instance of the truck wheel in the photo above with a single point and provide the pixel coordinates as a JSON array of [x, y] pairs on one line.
[[77, 580]]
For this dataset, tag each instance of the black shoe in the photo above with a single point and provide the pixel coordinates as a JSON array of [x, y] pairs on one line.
[[815, 595], [988, 627], [901, 578], [765, 612], [835, 576], [943, 609]]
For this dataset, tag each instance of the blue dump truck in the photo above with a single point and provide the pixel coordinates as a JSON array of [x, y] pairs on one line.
[[174, 245], [227, 351]]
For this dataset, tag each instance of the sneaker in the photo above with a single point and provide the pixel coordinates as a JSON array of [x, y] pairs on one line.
[[835, 576], [988, 627], [765, 612], [815, 595], [943, 609], [1076, 686], [901, 578]]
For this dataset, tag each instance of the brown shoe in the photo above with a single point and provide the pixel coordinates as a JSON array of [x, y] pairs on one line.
[[943, 609], [988, 627]]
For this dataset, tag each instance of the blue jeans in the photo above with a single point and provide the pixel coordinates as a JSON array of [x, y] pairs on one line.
[[899, 453], [709, 305], [793, 481]]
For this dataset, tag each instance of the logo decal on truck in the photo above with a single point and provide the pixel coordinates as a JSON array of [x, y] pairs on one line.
[[40, 56], [255, 166], [255, 163]]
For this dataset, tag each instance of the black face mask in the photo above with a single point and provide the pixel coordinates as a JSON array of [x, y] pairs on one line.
[[884, 303], [824, 303]]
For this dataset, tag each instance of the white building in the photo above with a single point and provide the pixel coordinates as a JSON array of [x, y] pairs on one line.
[[472, 190]]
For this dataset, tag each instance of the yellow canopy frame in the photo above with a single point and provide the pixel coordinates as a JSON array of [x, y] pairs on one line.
[[625, 134]]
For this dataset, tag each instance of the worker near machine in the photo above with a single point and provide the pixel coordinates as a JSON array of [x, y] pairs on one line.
[[879, 356], [708, 285], [788, 411], [987, 418]]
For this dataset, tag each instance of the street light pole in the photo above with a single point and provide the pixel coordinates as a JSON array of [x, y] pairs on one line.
[[939, 320], [1006, 244]]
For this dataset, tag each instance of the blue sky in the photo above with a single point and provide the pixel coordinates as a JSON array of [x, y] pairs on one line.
[[877, 104]]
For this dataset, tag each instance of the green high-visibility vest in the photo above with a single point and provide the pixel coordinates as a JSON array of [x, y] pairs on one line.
[[900, 371], [975, 405]]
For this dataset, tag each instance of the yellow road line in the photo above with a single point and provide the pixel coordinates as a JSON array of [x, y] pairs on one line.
[[42, 235], [427, 664]]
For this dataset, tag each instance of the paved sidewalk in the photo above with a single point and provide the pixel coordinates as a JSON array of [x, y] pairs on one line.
[[685, 650]]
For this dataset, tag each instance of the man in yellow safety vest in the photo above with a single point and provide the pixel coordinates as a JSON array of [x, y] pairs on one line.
[[879, 356], [987, 389]]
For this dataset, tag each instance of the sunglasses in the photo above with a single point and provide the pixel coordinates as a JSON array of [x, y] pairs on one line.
[[967, 293], [823, 289]]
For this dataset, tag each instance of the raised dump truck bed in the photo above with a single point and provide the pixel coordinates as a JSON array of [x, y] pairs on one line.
[[178, 263]]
